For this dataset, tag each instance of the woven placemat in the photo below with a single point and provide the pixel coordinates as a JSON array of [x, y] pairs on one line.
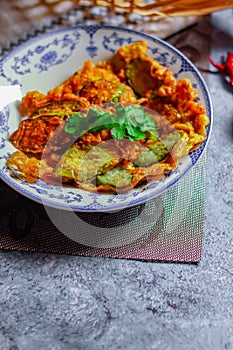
[[169, 227]]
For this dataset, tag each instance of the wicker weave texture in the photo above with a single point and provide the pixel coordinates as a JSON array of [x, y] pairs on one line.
[[165, 7], [161, 8]]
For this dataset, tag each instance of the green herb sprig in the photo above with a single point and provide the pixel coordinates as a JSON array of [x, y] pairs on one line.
[[131, 121]]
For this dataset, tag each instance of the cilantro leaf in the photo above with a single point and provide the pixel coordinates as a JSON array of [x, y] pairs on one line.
[[139, 114], [128, 121], [75, 124], [118, 132], [134, 133], [145, 121]]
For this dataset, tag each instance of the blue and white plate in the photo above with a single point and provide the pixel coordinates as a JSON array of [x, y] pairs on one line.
[[47, 60]]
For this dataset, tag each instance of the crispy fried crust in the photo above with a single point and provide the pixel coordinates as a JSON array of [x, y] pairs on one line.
[[116, 80], [33, 134]]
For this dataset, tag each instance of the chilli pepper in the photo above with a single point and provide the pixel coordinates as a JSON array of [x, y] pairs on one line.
[[225, 67]]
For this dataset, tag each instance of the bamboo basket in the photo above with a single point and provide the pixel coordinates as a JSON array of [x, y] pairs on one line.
[[160, 8], [165, 8]]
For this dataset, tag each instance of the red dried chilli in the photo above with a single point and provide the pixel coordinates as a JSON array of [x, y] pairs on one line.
[[225, 67]]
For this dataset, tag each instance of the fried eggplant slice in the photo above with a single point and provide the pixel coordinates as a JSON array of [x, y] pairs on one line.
[[27, 168], [117, 177], [143, 175], [138, 73], [76, 83], [146, 158], [61, 108], [83, 166], [69, 164], [159, 150], [170, 141], [103, 91], [33, 135], [147, 77], [126, 54]]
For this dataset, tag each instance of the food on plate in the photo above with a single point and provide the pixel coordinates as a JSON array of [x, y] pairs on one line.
[[110, 127]]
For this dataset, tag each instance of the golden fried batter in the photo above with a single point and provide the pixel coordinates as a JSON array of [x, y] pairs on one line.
[[129, 77]]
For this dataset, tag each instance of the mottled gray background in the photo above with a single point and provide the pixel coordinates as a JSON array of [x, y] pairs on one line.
[[68, 302]]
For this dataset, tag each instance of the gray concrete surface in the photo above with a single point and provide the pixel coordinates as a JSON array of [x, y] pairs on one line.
[[63, 302]]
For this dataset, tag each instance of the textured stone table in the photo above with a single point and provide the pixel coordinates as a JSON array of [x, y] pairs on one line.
[[68, 302]]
